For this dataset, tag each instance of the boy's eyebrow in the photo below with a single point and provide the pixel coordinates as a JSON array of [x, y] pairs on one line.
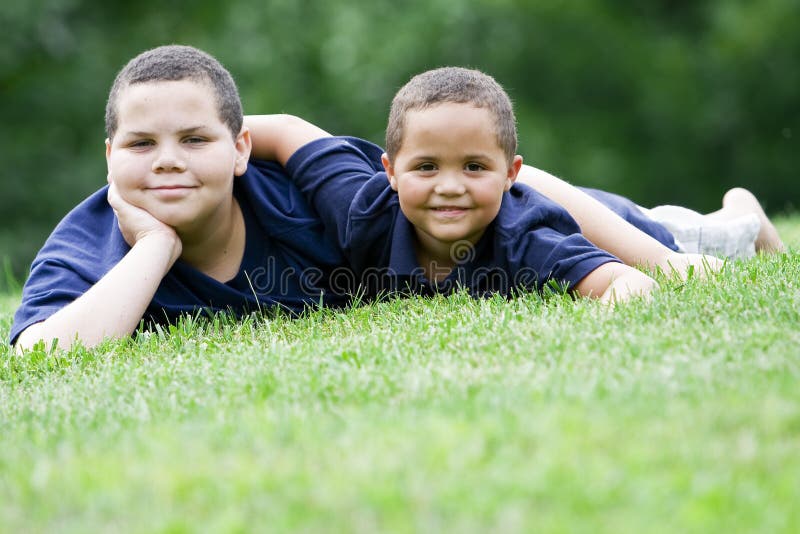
[[465, 156], [182, 131], [191, 129], [477, 156]]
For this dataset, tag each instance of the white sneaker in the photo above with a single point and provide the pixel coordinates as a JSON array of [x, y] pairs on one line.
[[695, 233]]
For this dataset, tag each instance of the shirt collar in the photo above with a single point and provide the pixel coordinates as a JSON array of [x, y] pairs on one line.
[[403, 257]]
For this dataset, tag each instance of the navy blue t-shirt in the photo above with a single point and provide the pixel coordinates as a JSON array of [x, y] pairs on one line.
[[532, 240], [287, 260]]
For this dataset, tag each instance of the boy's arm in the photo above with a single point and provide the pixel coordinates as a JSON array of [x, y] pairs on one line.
[[114, 306], [331, 173], [611, 232], [615, 282], [545, 241], [277, 137]]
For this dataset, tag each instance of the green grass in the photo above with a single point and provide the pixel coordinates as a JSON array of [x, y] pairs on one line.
[[678, 415]]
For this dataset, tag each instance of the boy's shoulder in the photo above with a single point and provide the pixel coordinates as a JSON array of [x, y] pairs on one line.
[[274, 198], [524, 210], [535, 235], [84, 246], [87, 236], [350, 150], [348, 172]]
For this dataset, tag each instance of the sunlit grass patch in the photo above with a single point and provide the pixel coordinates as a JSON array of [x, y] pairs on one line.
[[681, 414]]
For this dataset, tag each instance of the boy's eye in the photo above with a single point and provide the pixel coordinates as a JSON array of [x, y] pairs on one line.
[[474, 167], [426, 167], [141, 143], [194, 139]]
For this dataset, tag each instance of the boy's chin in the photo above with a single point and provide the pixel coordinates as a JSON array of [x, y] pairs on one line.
[[179, 222], [459, 238]]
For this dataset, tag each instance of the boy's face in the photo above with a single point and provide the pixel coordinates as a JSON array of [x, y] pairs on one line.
[[172, 156], [450, 173]]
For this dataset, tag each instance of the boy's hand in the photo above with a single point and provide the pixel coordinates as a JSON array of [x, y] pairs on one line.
[[137, 224], [684, 265]]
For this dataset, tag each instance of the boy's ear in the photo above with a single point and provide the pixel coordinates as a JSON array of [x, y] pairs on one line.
[[513, 171], [387, 166], [243, 147], [108, 155]]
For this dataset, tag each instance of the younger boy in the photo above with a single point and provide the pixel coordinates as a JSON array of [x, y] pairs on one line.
[[445, 212], [672, 238]]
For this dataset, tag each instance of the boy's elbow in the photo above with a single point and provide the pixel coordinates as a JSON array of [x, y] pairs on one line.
[[615, 282], [28, 338], [44, 333], [629, 285]]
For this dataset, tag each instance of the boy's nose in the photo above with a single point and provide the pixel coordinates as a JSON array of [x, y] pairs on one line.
[[168, 160], [449, 183]]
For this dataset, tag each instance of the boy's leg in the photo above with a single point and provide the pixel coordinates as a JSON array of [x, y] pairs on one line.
[[610, 231], [732, 237], [739, 201]]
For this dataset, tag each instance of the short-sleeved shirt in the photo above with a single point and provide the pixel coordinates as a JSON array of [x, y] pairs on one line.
[[531, 242], [286, 263]]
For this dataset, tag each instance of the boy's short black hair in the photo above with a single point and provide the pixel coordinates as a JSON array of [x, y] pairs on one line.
[[175, 63], [456, 85]]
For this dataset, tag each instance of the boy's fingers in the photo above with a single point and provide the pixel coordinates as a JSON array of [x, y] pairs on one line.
[[688, 265], [116, 201], [112, 196]]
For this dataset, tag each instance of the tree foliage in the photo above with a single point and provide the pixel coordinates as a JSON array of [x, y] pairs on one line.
[[664, 101]]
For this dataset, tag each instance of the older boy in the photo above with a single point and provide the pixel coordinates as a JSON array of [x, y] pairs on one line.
[[174, 232], [445, 213]]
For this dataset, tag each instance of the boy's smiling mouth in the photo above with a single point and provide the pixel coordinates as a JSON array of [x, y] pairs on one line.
[[171, 191], [177, 186], [451, 211]]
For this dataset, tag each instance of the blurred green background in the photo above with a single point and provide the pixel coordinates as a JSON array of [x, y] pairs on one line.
[[665, 101]]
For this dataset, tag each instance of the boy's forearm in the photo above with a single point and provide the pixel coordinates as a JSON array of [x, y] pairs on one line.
[[277, 137], [684, 265], [598, 223], [114, 306]]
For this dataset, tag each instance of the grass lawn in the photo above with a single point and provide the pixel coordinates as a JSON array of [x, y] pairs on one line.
[[448, 414]]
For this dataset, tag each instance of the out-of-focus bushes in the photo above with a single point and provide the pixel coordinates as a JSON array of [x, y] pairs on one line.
[[666, 102]]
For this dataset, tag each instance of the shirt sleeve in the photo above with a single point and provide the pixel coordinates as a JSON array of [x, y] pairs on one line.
[[84, 246], [545, 245], [50, 286], [565, 260], [343, 179]]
